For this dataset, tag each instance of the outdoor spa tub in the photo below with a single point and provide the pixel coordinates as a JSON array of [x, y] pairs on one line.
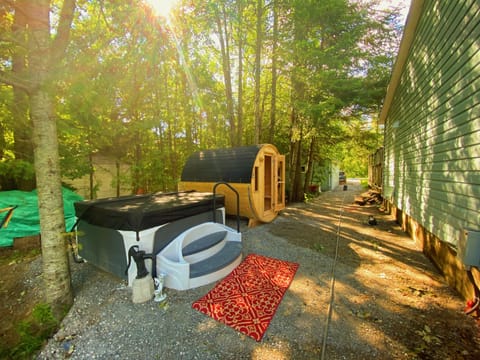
[[107, 228]]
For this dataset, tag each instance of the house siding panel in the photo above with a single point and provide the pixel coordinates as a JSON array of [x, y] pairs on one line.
[[432, 131]]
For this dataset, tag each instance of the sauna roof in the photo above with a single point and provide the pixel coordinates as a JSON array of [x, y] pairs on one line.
[[231, 165], [140, 212]]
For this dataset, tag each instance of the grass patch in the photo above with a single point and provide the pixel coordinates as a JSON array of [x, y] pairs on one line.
[[10, 256], [32, 333], [318, 247], [308, 197]]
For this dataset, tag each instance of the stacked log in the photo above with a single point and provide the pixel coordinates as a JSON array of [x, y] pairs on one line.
[[371, 197]]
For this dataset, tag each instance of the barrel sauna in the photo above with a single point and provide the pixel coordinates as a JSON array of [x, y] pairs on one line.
[[257, 173]]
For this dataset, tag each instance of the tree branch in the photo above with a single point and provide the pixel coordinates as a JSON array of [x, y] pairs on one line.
[[8, 79], [61, 41]]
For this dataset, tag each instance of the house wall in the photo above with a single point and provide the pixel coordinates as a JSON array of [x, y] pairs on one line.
[[105, 179], [432, 129], [375, 172], [439, 252]]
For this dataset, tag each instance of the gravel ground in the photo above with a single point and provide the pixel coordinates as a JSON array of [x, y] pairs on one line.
[[389, 301]]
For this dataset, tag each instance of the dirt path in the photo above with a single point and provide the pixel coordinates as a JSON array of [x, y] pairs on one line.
[[389, 302]]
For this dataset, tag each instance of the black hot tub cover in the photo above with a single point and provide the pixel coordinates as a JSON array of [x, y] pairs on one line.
[[140, 212]]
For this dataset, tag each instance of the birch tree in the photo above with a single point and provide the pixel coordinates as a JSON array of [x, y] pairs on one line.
[[43, 52]]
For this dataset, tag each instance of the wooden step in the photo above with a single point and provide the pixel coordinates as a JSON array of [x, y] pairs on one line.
[[230, 252]]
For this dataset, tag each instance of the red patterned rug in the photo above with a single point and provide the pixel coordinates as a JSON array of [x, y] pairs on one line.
[[248, 297]]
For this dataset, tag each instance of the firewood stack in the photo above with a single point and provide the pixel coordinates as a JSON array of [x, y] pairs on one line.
[[370, 197]]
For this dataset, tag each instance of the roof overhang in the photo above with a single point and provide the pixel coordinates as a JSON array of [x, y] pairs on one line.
[[414, 13]]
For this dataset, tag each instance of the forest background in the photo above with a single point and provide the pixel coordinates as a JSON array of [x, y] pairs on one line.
[[148, 89]]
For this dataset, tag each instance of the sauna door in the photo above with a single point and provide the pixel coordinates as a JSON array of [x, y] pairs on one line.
[[279, 180], [273, 183]]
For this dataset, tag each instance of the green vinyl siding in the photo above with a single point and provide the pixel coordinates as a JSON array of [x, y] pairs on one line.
[[432, 128]]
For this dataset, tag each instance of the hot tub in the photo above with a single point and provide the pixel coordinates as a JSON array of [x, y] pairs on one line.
[[107, 228]]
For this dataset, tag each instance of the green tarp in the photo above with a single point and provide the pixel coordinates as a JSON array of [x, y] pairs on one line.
[[25, 219]]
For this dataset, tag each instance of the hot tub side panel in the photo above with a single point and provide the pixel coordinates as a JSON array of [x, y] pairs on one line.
[[107, 248], [102, 247]]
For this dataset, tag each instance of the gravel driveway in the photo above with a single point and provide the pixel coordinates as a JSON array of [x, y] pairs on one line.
[[388, 301]]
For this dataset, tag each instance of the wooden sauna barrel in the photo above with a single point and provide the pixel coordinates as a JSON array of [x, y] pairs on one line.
[[257, 172]]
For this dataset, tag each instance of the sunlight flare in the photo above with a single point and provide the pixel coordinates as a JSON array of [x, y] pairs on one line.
[[162, 7]]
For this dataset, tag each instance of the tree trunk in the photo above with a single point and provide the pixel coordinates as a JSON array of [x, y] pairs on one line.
[[189, 94], [22, 127], [258, 54], [309, 172], [227, 72], [295, 188], [117, 176], [56, 270], [298, 96], [240, 73], [91, 176], [137, 164], [296, 193], [273, 100]]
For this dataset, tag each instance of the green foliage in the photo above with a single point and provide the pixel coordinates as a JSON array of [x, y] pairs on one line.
[[34, 331], [42, 315], [318, 247], [364, 139], [308, 197], [364, 183], [17, 170], [19, 256], [148, 93]]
